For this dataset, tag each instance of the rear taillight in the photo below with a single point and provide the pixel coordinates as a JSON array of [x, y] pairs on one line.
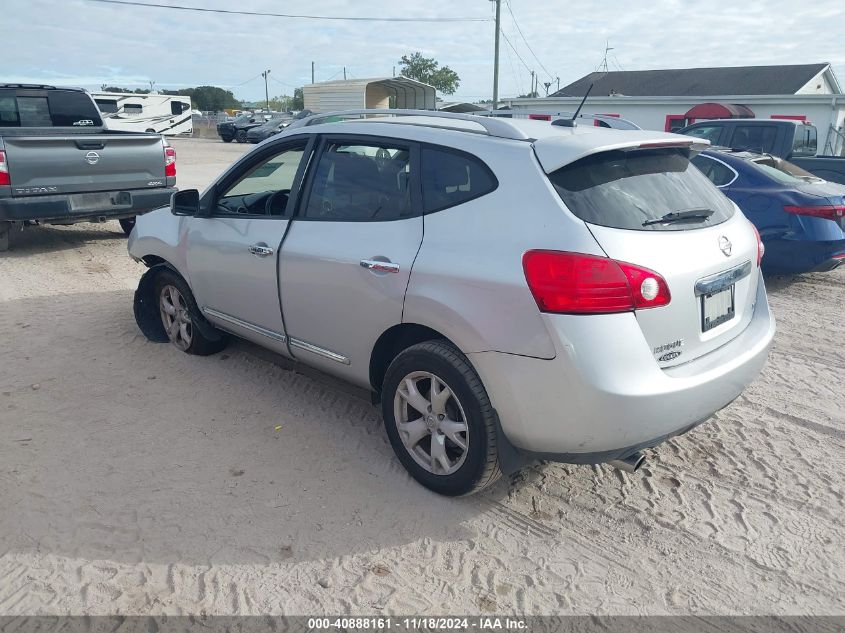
[[4, 170], [761, 248], [169, 161], [574, 283], [827, 211]]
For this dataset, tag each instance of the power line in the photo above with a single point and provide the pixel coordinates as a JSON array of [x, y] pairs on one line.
[[247, 81], [516, 24], [527, 67], [285, 15]]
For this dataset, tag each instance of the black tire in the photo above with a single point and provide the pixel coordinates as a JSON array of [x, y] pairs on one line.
[[205, 339], [241, 136], [480, 467], [5, 232], [227, 139], [127, 224]]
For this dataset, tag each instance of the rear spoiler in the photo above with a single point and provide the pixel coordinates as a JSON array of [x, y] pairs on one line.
[[555, 152]]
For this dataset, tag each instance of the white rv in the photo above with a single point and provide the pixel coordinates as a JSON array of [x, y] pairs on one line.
[[162, 114]]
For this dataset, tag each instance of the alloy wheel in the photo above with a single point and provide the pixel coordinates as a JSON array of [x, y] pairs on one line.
[[431, 423], [175, 317]]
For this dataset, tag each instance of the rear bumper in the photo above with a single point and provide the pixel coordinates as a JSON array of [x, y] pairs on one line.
[[603, 396], [790, 257], [59, 208]]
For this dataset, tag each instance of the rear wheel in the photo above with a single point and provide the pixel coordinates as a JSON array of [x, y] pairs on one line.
[[439, 419], [241, 135], [127, 224], [183, 323], [5, 230]]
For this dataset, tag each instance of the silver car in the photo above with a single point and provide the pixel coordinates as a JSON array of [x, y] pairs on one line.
[[508, 289]]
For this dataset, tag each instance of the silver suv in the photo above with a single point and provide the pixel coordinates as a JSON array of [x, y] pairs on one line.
[[508, 289]]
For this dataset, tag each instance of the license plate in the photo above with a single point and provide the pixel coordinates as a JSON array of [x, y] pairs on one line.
[[717, 308], [88, 201]]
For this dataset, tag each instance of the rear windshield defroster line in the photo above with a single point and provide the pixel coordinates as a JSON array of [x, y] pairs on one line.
[[630, 189]]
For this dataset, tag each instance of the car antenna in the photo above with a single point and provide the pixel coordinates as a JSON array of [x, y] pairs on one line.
[[571, 122]]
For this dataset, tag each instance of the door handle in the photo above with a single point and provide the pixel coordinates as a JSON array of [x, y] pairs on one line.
[[260, 250], [379, 267]]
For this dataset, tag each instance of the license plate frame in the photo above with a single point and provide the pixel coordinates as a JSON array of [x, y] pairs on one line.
[[718, 314]]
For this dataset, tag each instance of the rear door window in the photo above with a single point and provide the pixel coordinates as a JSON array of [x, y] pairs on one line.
[[755, 138], [361, 182], [47, 108], [451, 177], [627, 189]]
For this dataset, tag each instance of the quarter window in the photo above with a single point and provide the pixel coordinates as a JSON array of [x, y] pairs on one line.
[[718, 173], [361, 182], [451, 178], [265, 189]]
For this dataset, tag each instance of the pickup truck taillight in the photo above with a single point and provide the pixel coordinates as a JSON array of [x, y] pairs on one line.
[[4, 170], [169, 161]]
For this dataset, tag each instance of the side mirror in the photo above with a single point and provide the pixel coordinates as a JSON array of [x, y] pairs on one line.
[[185, 202]]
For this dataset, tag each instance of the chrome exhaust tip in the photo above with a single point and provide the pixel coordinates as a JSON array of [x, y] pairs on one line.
[[630, 464]]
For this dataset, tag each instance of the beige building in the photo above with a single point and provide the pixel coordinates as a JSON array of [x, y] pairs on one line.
[[359, 94]]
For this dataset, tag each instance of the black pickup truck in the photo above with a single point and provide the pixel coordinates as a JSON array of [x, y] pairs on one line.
[[60, 165], [794, 141]]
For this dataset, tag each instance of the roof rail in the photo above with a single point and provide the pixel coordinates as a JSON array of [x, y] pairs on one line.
[[500, 128], [30, 86]]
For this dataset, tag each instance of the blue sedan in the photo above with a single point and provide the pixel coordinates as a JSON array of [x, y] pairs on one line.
[[799, 216]]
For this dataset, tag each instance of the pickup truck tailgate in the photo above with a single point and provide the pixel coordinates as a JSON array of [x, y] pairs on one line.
[[44, 165]]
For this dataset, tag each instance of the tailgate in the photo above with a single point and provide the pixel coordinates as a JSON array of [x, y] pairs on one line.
[[41, 165], [695, 322]]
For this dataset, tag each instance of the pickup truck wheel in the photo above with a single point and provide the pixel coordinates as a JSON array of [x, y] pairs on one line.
[[439, 419], [127, 224], [227, 139], [5, 230], [241, 136], [183, 323]]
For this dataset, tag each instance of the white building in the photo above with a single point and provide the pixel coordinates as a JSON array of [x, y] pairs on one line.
[[671, 99], [360, 94]]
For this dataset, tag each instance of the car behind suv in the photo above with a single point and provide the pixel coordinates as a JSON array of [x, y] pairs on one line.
[[508, 289]]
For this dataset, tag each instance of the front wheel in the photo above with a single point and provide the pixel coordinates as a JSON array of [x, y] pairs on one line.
[[439, 419], [181, 319], [241, 136], [227, 139]]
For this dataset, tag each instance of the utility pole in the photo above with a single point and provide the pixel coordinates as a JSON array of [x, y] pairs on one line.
[[266, 91], [558, 82], [152, 86], [344, 73], [496, 55], [531, 92], [312, 72], [394, 71]]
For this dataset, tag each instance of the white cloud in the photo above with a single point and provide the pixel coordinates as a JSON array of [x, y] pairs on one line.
[[85, 43]]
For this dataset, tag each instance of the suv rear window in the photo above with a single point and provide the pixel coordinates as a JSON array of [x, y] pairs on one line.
[[47, 108], [452, 177], [625, 190]]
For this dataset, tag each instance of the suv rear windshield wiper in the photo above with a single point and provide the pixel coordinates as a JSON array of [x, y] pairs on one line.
[[681, 216]]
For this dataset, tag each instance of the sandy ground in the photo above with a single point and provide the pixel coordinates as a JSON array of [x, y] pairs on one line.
[[135, 479]]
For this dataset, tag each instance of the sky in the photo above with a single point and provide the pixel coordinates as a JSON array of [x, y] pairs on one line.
[[85, 43]]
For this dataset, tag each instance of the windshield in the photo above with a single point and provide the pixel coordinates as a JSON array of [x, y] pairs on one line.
[[631, 189]]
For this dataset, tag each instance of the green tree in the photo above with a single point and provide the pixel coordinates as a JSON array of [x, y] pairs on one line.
[[211, 98], [429, 71], [105, 88]]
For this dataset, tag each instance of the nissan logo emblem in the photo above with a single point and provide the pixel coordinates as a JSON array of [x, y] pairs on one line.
[[725, 245], [92, 158]]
